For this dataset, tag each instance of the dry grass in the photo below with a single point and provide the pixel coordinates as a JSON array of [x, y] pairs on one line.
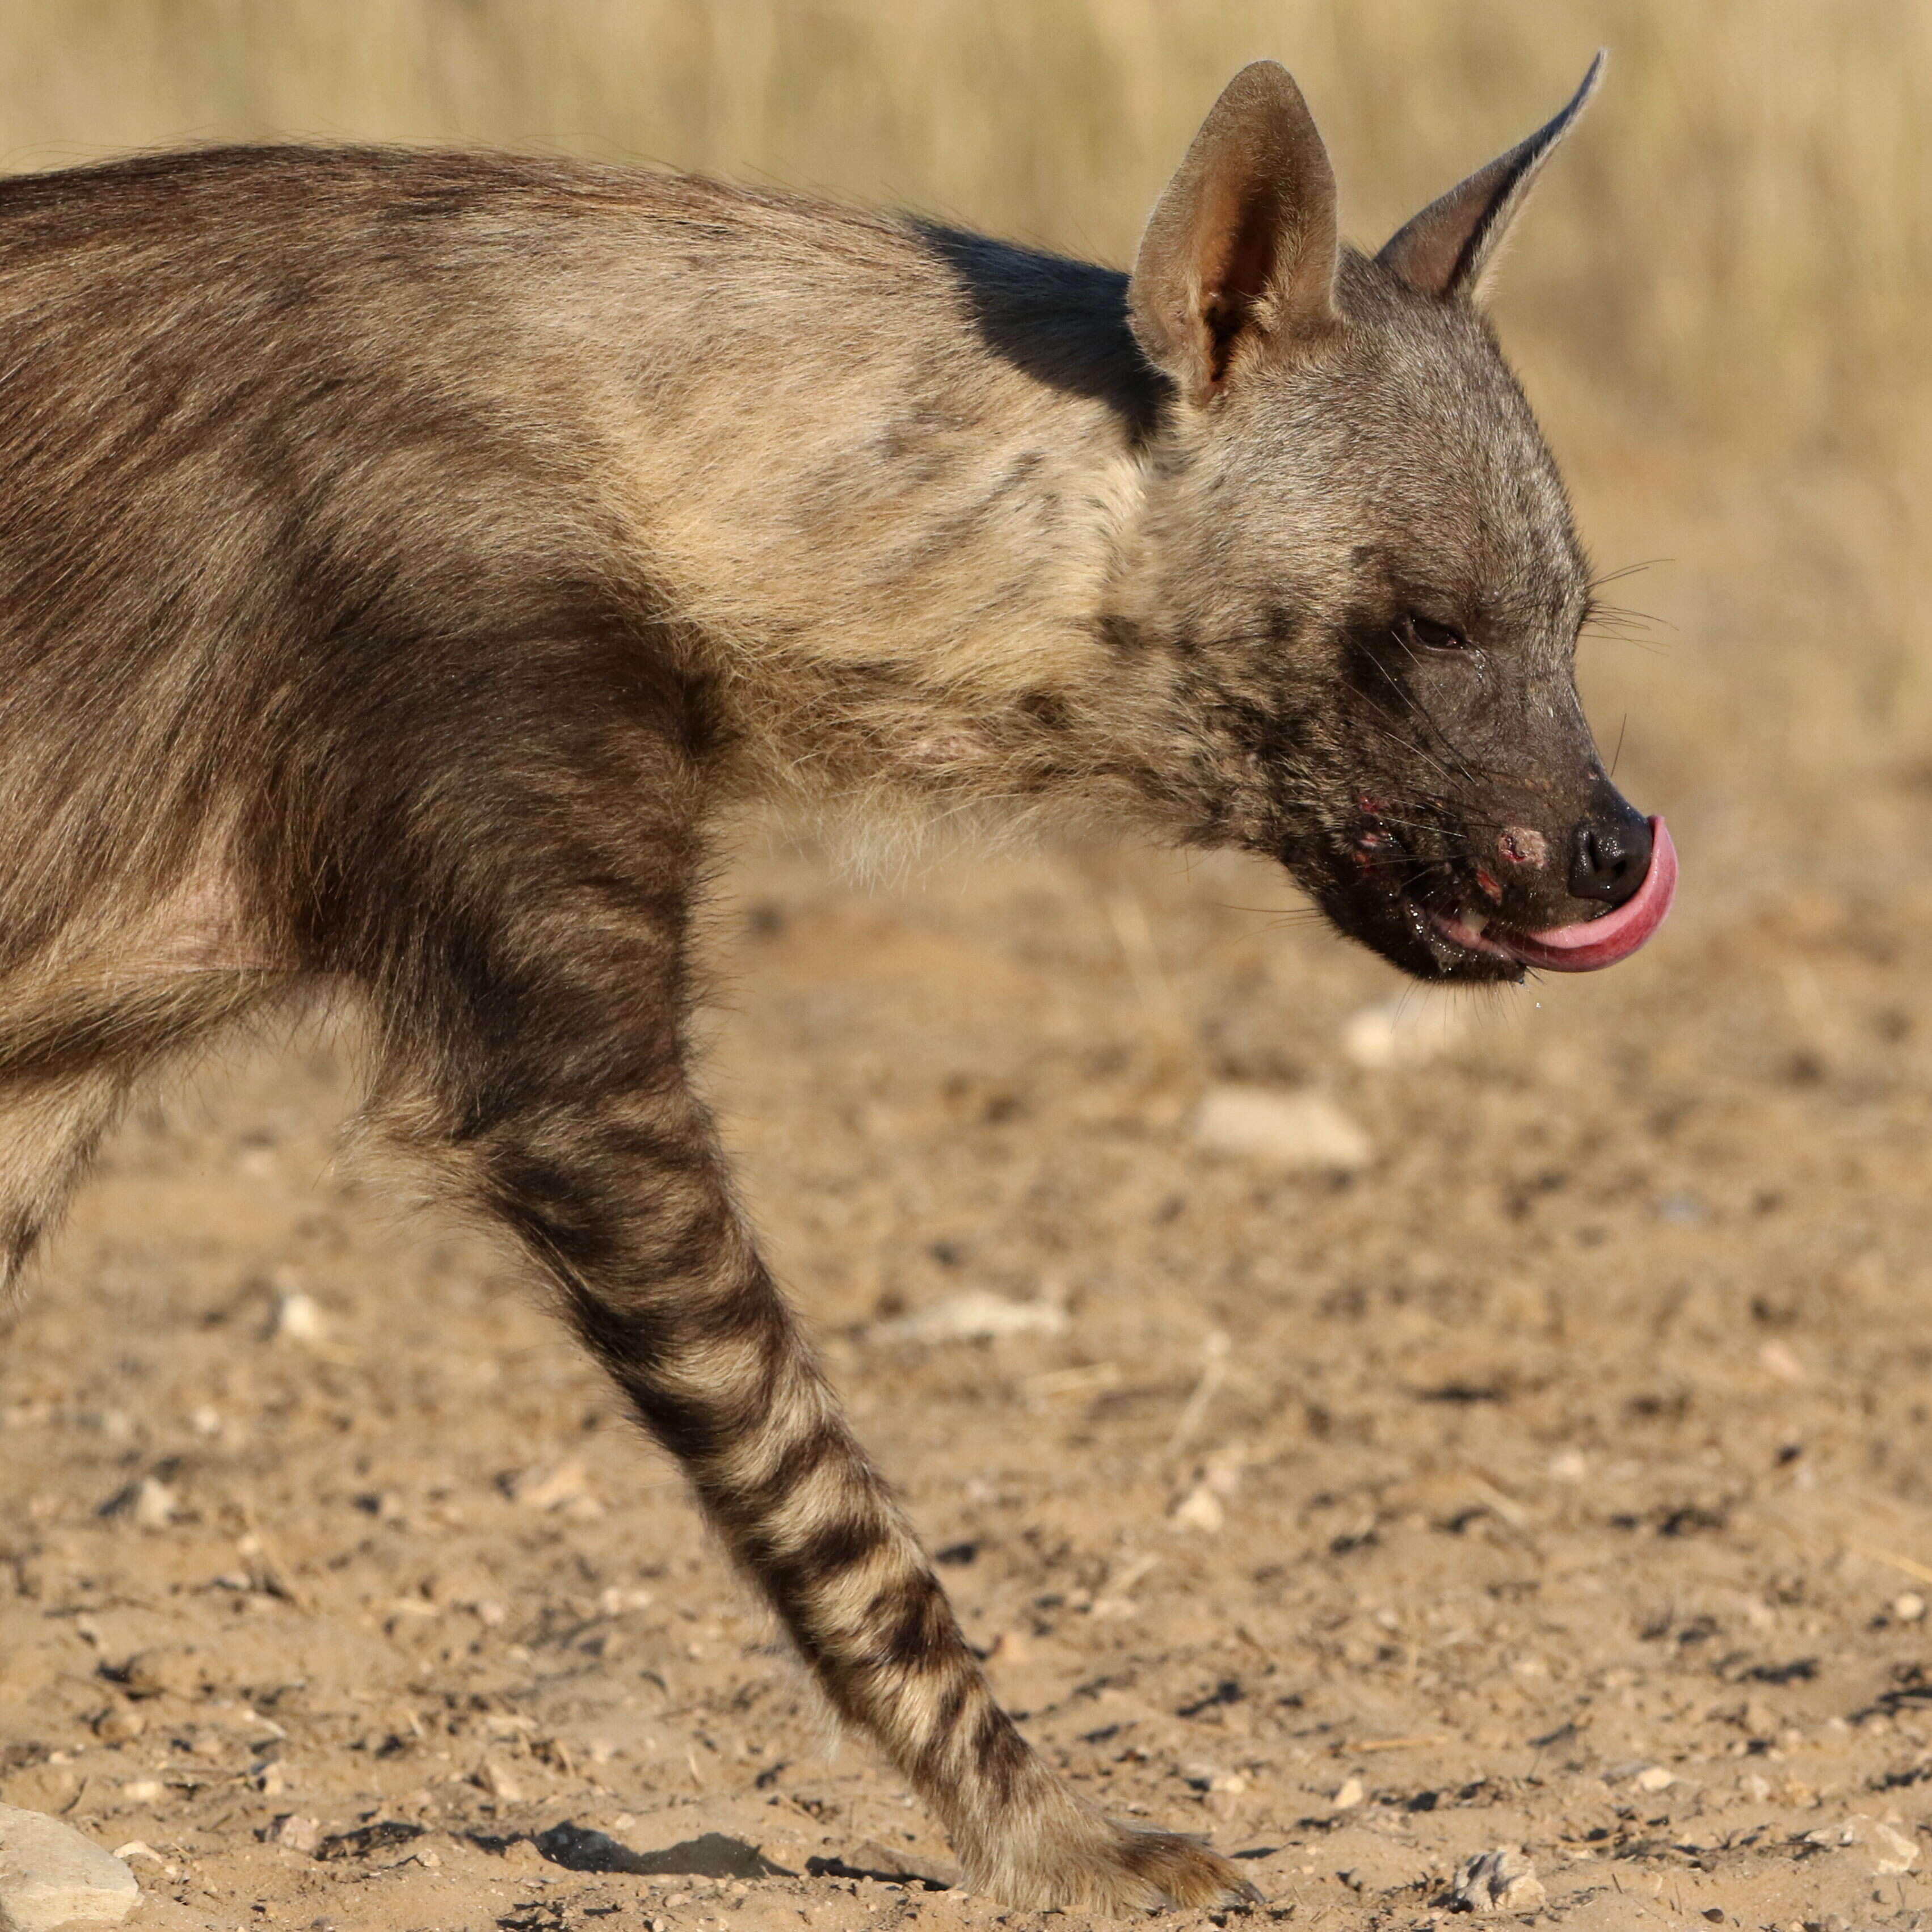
[[1740, 243]]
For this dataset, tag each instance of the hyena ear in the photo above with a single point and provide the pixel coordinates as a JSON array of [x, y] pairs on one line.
[[1240, 250], [1450, 248]]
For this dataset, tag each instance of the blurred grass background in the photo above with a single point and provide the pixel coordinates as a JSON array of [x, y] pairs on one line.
[[1719, 299], [1742, 239]]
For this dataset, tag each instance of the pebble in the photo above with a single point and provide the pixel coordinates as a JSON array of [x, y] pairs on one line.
[[51, 1875], [1892, 1851], [615, 1600], [977, 1315], [119, 1724], [1282, 1127], [1653, 1777], [1502, 1880], [299, 1318], [155, 1505], [1682, 1209], [298, 1833], [1199, 1509], [1909, 1607], [163, 1672], [1203, 1507], [558, 1487], [149, 1504], [1348, 1795], [500, 1782], [1409, 1030]]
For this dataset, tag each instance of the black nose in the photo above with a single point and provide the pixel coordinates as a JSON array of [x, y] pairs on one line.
[[1610, 851]]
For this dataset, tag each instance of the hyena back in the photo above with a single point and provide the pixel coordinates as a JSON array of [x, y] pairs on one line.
[[406, 559]]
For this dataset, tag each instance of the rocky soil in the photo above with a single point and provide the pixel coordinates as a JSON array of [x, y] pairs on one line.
[[1513, 1497]]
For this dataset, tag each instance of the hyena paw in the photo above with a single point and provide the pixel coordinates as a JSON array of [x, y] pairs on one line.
[[1106, 1867]]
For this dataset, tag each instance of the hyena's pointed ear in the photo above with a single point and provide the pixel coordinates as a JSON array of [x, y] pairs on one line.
[[1450, 248], [1241, 251]]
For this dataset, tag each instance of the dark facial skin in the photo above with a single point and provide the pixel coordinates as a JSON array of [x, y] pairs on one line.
[[1473, 771], [1381, 637]]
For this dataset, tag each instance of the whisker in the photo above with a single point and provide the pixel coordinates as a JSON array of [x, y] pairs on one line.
[[1468, 771], [1628, 570]]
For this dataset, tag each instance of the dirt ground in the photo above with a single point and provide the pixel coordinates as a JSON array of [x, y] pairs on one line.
[[1557, 1480]]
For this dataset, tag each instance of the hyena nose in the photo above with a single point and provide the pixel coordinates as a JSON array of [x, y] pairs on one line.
[[1610, 851]]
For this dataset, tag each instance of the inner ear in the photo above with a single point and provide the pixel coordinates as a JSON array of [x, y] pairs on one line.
[[1241, 247], [1448, 250], [1238, 287]]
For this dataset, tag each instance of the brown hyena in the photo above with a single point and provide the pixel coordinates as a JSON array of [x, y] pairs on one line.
[[405, 558]]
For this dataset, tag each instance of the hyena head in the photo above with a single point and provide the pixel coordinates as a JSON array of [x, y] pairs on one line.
[[1363, 571]]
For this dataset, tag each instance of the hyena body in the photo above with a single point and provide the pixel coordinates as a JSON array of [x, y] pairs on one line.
[[406, 559]]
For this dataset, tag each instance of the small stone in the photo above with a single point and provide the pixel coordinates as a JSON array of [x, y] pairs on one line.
[[299, 1318], [976, 1316], [144, 1791], [548, 1489], [1281, 1128], [1010, 1647], [51, 1875], [500, 1781], [1653, 1777], [1683, 1210], [158, 1673], [297, 1833], [1200, 1509], [1909, 1606], [1349, 1794], [615, 1600], [119, 1724], [1892, 1851], [1500, 1880], [1409, 1030], [155, 1506]]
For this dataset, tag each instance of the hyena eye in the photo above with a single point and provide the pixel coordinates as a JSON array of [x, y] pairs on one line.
[[1426, 633]]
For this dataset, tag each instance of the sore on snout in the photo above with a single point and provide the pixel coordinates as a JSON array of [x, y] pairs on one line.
[[1521, 845]]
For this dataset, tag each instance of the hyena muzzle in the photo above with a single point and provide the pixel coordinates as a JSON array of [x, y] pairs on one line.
[[408, 561]]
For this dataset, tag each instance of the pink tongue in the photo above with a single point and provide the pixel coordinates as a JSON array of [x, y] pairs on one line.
[[1591, 943]]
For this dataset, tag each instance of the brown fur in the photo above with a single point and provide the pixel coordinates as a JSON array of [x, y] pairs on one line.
[[406, 559]]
